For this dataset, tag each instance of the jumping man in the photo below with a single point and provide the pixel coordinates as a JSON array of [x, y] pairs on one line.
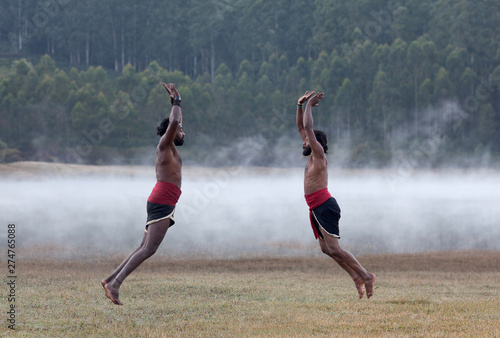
[[324, 212], [161, 203]]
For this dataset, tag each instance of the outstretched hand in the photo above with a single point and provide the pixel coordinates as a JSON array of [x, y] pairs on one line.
[[172, 91], [315, 99], [307, 95]]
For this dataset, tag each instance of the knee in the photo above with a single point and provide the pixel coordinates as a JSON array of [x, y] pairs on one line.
[[333, 252], [325, 250], [151, 251]]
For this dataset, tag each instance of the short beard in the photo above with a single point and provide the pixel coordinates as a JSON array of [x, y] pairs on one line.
[[179, 142], [306, 151]]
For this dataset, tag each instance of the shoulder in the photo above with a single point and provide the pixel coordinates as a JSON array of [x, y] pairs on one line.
[[318, 154]]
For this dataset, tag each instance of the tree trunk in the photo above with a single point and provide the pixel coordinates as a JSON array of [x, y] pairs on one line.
[[70, 53], [385, 126], [349, 124], [204, 66], [114, 48], [134, 42], [194, 67], [212, 59], [19, 25], [123, 43], [87, 49], [416, 99]]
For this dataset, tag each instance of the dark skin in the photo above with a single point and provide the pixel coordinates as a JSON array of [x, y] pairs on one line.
[[316, 178], [315, 175], [168, 169], [168, 160]]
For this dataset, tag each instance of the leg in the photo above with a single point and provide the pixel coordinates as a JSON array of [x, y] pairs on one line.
[[358, 280], [152, 241], [332, 248], [120, 267]]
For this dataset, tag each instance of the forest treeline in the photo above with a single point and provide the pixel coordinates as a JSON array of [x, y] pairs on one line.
[[413, 82]]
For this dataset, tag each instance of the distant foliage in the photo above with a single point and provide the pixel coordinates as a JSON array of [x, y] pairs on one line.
[[400, 77]]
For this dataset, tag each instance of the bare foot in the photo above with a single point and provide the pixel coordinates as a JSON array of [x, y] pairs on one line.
[[103, 283], [359, 286], [369, 285], [111, 294]]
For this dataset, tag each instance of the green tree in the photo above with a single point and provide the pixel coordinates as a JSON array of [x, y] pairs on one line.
[[487, 127], [8, 107], [22, 67], [456, 63], [443, 87], [245, 67], [430, 54], [465, 86], [128, 80], [426, 95], [245, 94], [45, 66], [264, 85], [60, 88]]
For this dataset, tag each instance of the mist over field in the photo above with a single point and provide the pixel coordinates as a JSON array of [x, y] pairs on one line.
[[240, 212]]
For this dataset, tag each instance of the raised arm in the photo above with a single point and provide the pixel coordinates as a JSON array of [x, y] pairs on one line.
[[175, 117], [316, 147], [300, 113]]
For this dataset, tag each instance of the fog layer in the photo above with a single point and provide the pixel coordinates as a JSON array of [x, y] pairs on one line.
[[236, 212]]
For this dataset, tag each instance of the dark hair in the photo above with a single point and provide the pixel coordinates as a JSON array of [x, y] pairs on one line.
[[322, 139], [162, 128]]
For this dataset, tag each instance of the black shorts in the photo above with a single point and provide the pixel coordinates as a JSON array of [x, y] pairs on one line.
[[327, 217], [159, 212]]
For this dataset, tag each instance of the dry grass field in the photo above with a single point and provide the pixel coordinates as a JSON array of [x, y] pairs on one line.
[[419, 295]]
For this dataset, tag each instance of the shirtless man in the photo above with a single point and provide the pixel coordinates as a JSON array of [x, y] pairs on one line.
[[324, 211], [161, 203]]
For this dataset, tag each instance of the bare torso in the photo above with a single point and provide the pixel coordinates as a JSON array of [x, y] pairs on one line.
[[169, 165], [315, 174]]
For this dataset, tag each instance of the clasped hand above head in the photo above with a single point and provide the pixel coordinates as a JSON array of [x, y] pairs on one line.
[[315, 99], [172, 91], [311, 95]]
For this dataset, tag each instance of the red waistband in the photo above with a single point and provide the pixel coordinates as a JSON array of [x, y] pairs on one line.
[[317, 198], [165, 193]]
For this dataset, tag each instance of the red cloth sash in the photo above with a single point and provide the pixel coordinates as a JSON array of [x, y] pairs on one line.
[[314, 200], [165, 193]]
